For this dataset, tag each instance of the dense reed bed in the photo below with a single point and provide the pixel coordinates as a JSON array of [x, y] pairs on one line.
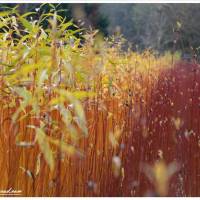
[[80, 117], [173, 126]]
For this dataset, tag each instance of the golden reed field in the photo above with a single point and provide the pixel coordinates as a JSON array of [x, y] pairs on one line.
[[81, 117]]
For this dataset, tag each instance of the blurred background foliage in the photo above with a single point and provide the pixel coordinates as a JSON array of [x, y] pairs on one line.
[[161, 27]]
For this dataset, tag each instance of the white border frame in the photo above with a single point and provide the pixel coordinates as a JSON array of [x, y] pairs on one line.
[[99, 1]]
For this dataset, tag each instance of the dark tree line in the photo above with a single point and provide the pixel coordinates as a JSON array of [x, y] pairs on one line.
[[158, 26]]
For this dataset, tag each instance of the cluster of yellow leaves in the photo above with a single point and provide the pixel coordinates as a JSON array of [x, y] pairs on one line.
[[160, 174]]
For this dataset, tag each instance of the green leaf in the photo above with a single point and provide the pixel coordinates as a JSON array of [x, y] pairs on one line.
[[83, 94], [66, 115], [2, 24], [43, 143], [16, 114], [45, 51], [80, 76], [26, 24], [24, 93], [66, 25], [5, 13], [42, 77], [81, 120], [23, 72], [28, 14], [68, 67]]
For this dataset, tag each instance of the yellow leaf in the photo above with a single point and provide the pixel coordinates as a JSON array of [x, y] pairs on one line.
[[160, 174], [114, 137], [38, 164], [68, 148], [177, 123]]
